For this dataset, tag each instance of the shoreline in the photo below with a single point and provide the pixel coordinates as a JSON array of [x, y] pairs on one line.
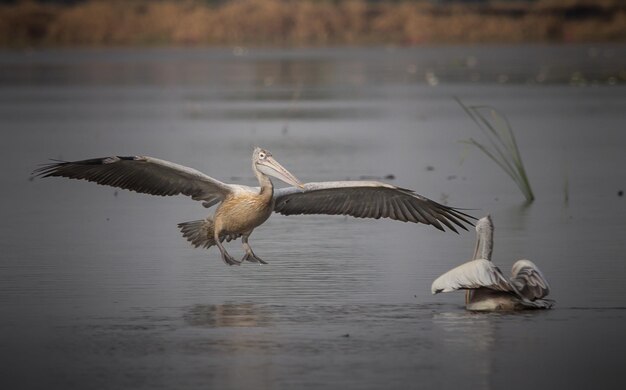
[[284, 23]]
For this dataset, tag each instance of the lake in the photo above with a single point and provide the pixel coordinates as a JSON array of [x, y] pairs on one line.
[[98, 289]]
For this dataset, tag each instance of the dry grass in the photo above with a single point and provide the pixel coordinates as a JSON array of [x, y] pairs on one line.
[[307, 22]]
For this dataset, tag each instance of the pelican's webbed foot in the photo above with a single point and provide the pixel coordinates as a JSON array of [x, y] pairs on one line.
[[251, 257], [228, 259]]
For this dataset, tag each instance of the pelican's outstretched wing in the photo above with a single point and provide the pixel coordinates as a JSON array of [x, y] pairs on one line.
[[528, 280], [367, 199], [473, 274], [142, 174]]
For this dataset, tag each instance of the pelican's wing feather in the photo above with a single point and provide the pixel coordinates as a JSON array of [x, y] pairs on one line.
[[367, 199], [537, 303], [142, 174], [473, 274], [528, 280]]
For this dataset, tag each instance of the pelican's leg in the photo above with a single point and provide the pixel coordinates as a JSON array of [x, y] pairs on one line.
[[250, 256], [228, 259]]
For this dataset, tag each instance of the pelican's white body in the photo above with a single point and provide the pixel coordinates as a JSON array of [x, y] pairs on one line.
[[486, 287]]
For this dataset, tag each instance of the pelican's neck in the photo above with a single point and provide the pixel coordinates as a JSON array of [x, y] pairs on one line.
[[485, 243], [267, 188]]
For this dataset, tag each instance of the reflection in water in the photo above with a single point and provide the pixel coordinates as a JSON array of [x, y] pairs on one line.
[[354, 68], [293, 71], [280, 112], [461, 324], [470, 338], [226, 354], [226, 315]]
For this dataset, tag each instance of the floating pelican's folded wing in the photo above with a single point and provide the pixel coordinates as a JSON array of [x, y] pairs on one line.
[[538, 303], [141, 174], [368, 199], [528, 280], [473, 274]]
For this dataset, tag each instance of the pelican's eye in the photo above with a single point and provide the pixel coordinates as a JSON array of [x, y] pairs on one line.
[[262, 155]]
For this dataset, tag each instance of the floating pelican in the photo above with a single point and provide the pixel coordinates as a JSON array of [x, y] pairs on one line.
[[243, 208], [486, 288]]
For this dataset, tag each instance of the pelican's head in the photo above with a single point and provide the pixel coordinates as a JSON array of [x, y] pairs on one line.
[[484, 238], [263, 162], [484, 225]]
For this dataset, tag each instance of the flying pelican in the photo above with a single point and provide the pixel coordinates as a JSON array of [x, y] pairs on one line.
[[243, 208], [486, 287]]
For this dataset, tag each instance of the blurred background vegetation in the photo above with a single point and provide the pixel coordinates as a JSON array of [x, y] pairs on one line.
[[307, 22]]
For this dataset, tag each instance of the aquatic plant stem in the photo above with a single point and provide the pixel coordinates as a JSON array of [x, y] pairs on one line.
[[502, 146]]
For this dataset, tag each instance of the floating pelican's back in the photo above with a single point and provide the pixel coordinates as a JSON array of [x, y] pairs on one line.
[[528, 280], [473, 274]]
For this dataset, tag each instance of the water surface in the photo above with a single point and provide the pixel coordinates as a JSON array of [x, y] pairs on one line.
[[98, 289]]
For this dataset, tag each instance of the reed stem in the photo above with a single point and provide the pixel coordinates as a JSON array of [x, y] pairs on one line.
[[501, 146]]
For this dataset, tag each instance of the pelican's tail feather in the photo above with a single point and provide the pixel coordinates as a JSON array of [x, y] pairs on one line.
[[198, 233], [201, 233]]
